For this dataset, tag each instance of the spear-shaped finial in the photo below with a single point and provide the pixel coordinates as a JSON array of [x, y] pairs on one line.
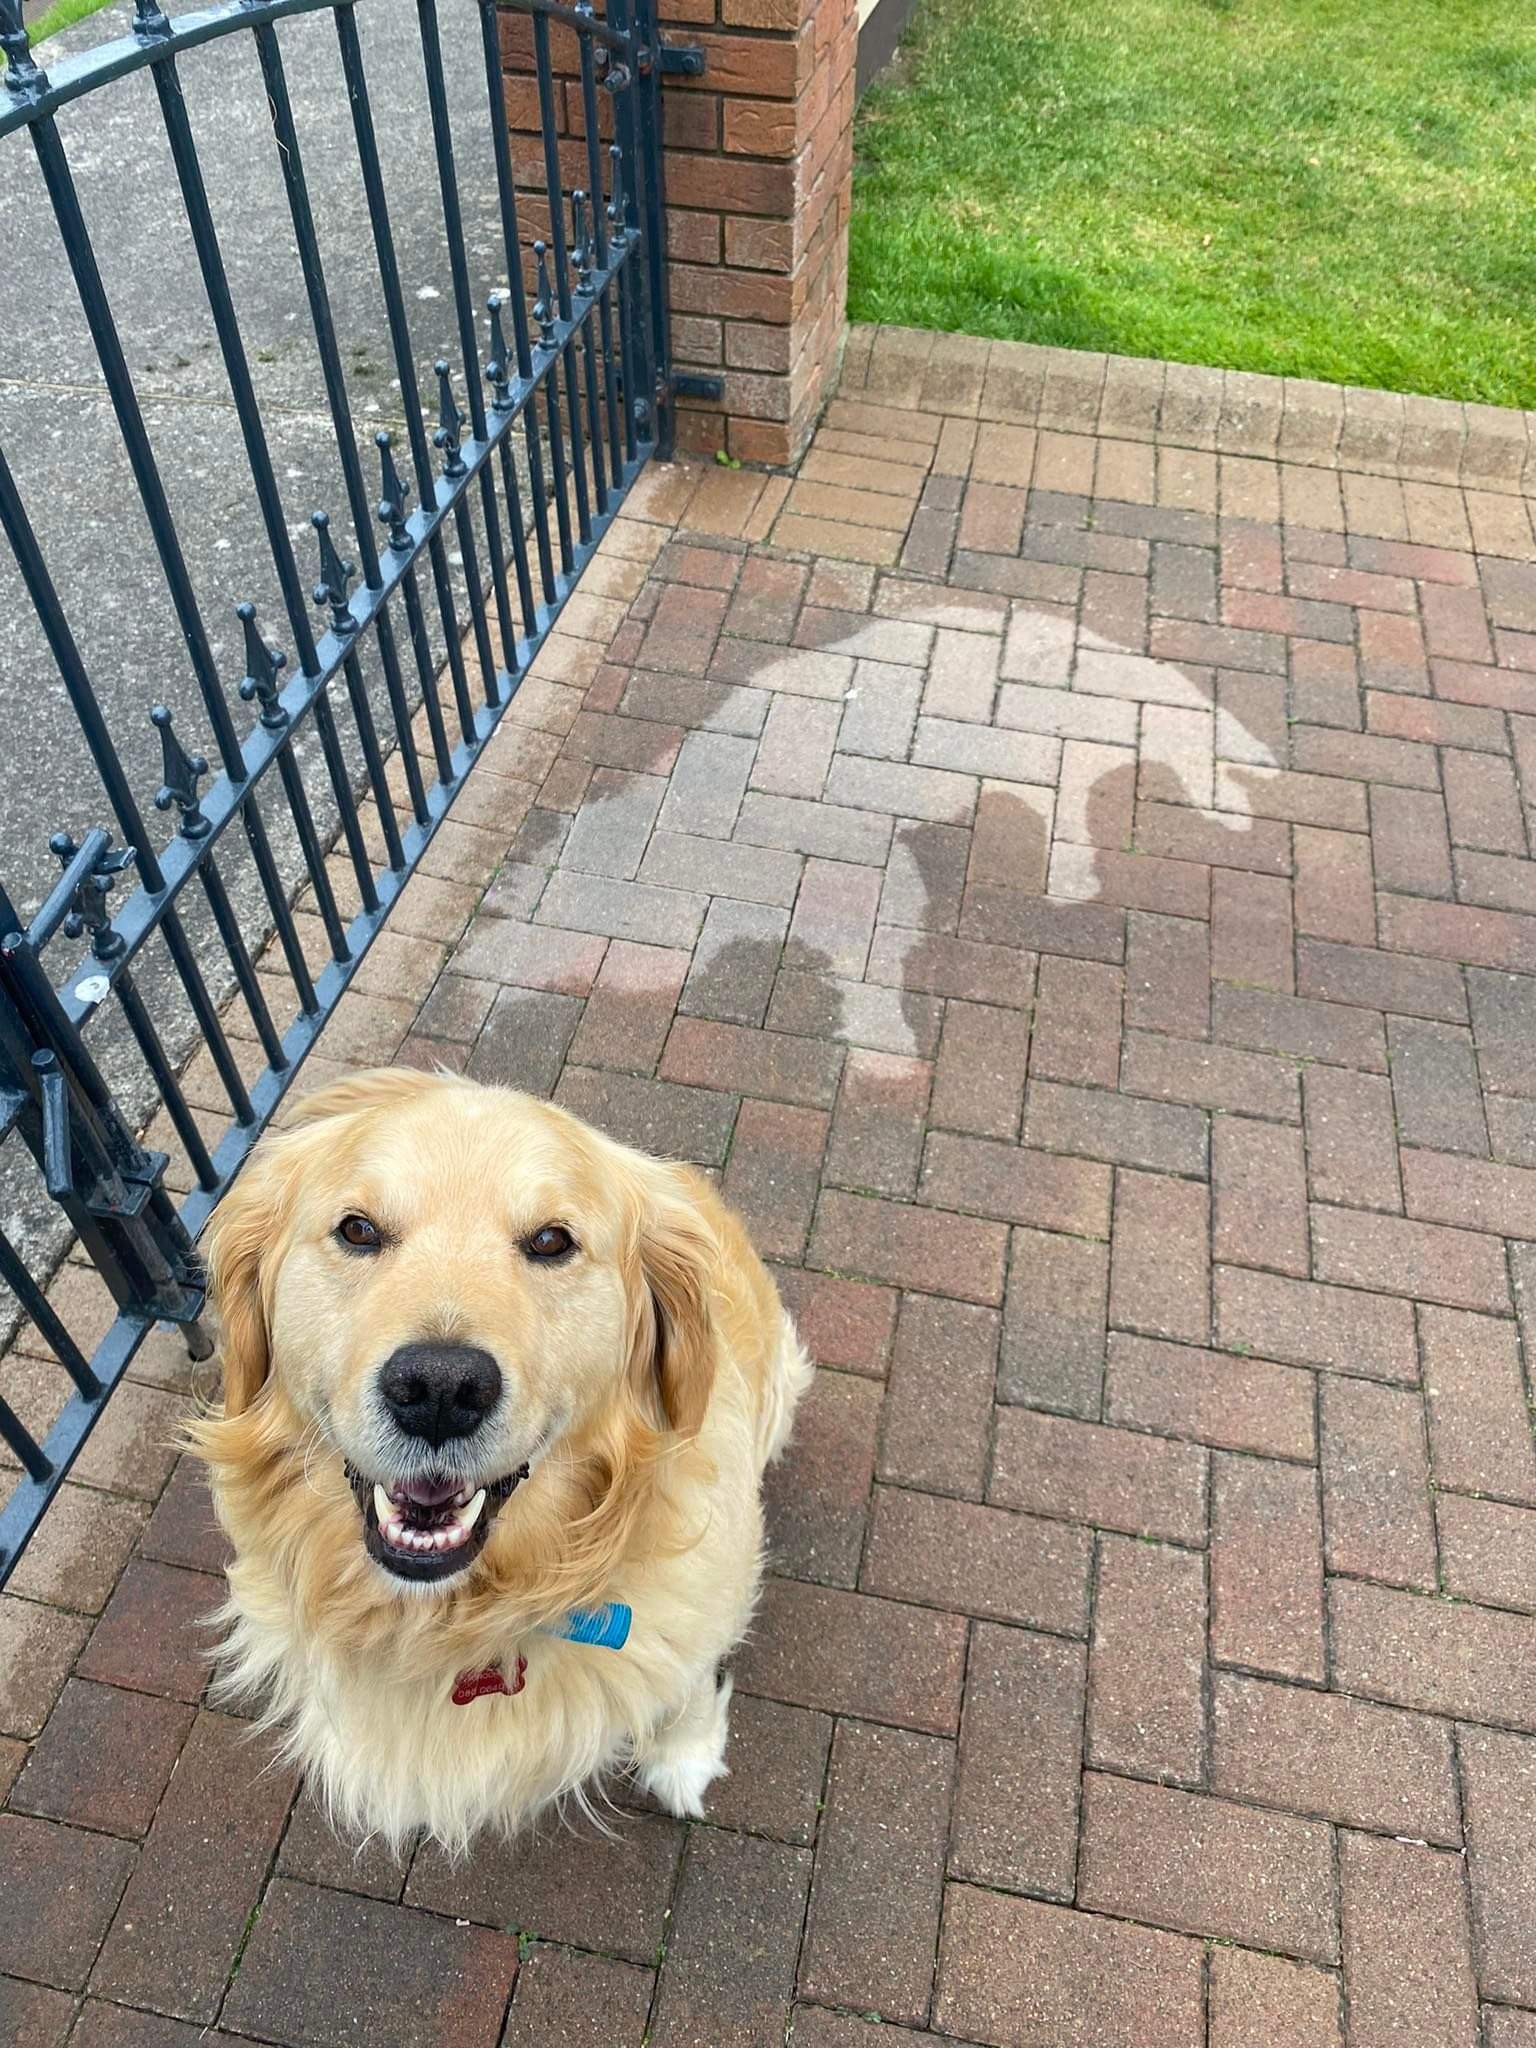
[[149, 21], [581, 247], [335, 576], [23, 76], [618, 227], [393, 496], [543, 305], [450, 421], [182, 772], [498, 371], [88, 904], [262, 667]]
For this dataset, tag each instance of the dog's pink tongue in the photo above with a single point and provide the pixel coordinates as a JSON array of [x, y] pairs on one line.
[[425, 1493]]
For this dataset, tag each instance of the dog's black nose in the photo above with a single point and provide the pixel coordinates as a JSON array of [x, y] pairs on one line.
[[440, 1391]]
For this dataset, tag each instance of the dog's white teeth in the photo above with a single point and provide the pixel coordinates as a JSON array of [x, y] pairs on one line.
[[401, 1531]]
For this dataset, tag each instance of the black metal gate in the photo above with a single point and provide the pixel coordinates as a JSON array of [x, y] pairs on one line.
[[551, 395]]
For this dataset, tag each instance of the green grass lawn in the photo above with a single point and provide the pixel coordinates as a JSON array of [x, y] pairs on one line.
[[60, 15], [1343, 189]]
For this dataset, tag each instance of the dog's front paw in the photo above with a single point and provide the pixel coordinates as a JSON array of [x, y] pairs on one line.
[[678, 1766]]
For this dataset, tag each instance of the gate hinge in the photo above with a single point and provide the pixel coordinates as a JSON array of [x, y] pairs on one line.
[[687, 384], [675, 60]]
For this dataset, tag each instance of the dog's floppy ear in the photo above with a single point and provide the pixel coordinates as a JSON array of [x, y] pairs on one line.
[[240, 1233], [675, 1255]]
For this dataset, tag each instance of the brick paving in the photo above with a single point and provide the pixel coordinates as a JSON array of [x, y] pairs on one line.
[[1062, 860]]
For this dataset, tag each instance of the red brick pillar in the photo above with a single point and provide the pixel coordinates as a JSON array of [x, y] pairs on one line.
[[759, 164], [759, 169]]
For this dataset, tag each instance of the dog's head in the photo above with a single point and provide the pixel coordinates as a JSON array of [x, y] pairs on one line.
[[436, 1287]]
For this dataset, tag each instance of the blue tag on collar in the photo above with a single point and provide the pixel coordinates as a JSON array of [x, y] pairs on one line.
[[605, 1627]]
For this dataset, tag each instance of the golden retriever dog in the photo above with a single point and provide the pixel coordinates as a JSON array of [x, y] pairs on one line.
[[484, 1370]]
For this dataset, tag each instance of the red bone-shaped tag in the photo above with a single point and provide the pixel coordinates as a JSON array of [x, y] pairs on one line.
[[478, 1685]]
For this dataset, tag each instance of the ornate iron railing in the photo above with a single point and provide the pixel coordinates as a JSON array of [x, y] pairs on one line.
[[555, 395]]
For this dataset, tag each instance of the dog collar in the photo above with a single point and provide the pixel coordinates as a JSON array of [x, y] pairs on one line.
[[605, 1628]]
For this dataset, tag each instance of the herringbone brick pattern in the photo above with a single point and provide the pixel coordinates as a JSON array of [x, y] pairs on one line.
[[1075, 891]]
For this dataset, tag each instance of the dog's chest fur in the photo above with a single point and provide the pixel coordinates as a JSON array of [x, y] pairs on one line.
[[387, 1750]]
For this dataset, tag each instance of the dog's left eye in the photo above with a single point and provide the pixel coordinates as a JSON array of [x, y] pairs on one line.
[[552, 1242], [360, 1233]]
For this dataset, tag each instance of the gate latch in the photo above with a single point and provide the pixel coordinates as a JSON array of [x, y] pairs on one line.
[[123, 1193]]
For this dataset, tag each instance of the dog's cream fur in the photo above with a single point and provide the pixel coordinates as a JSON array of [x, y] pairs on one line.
[[651, 1377]]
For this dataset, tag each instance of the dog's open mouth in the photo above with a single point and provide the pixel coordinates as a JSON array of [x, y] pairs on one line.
[[425, 1529]]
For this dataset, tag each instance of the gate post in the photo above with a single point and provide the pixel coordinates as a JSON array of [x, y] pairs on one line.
[[757, 104], [759, 176]]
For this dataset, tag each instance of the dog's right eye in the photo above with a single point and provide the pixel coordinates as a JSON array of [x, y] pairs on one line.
[[360, 1234], [553, 1242]]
